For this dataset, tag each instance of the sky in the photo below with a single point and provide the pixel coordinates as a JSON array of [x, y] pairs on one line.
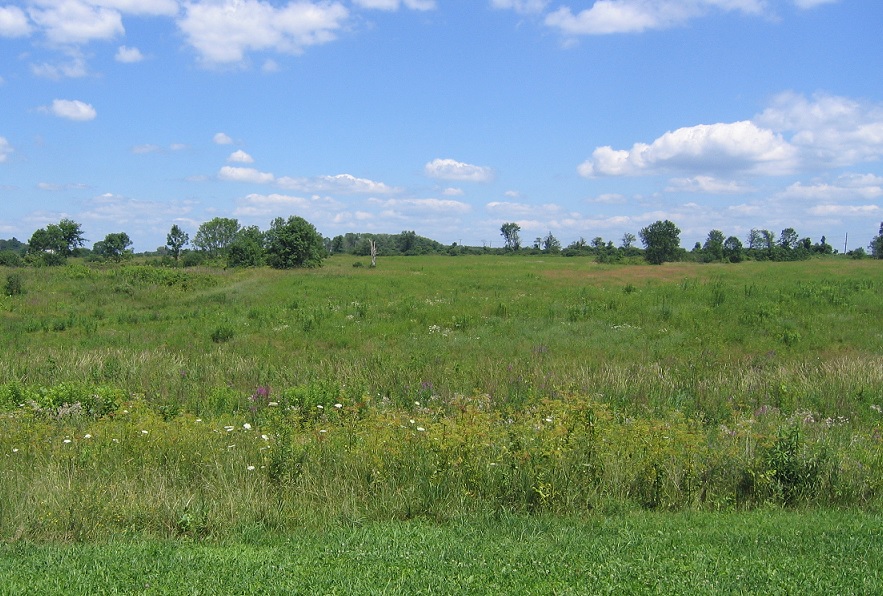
[[446, 117]]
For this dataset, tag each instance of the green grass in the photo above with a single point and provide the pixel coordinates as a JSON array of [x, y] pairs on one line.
[[768, 552], [206, 404]]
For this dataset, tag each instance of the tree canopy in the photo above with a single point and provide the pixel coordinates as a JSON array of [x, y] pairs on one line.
[[662, 241], [294, 243]]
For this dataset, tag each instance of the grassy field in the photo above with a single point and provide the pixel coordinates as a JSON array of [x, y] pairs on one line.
[[208, 407], [756, 553]]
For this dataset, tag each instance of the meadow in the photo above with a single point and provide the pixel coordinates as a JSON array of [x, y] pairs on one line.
[[148, 403]]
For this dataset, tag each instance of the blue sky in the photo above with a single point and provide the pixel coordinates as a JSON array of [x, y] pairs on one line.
[[446, 117]]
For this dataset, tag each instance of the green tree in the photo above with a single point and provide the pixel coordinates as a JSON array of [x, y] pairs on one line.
[[52, 244], [114, 247], [247, 249], [713, 249], [176, 240], [788, 239], [732, 250], [215, 236], [877, 244], [294, 243], [551, 244], [406, 242], [662, 241], [511, 238], [628, 240]]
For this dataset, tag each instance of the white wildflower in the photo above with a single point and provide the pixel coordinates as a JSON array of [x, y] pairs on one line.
[[246, 426]]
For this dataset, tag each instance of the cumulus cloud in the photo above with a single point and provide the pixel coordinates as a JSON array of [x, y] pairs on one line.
[[71, 110], [829, 130], [76, 22], [395, 4], [449, 169], [635, 16], [74, 67], [807, 4], [222, 32], [341, 183], [435, 206], [240, 156], [128, 55], [13, 22], [5, 149], [848, 187], [251, 175], [260, 205], [222, 139], [146, 148], [706, 148]]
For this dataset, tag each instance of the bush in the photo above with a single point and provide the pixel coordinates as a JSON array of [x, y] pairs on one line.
[[222, 334], [13, 285], [9, 258]]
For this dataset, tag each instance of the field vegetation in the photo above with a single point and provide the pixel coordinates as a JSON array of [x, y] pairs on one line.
[[142, 400]]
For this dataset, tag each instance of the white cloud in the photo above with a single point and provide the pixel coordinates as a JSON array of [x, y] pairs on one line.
[[141, 7], [522, 209], [848, 187], [222, 139], [829, 130], [395, 4], [449, 169], [245, 175], [635, 16], [453, 192], [5, 149], [71, 109], [222, 32], [146, 148], [708, 185], [436, 206], [846, 210], [76, 22], [240, 156], [258, 205], [521, 6], [342, 183], [705, 148], [73, 68], [13, 22], [128, 55], [807, 4]]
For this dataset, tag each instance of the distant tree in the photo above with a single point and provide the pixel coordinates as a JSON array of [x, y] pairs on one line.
[[713, 249], [114, 247], [294, 243], [823, 247], [214, 236], [662, 240], [52, 244], [877, 244], [628, 240], [510, 235], [788, 239], [732, 250], [551, 244], [247, 248], [176, 240], [406, 242]]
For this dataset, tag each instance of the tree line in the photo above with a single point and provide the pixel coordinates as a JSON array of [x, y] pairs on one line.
[[662, 243], [294, 242]]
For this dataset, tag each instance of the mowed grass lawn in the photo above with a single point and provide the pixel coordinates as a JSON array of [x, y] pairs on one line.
[[769, 552]]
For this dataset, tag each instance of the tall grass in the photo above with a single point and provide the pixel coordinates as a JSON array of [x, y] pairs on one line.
[[434, 387]]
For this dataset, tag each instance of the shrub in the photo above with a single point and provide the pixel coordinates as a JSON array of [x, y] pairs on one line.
[[222, 334], [13, 285]]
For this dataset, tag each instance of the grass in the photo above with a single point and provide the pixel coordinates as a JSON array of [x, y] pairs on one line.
[[766, 552], [518, 423]]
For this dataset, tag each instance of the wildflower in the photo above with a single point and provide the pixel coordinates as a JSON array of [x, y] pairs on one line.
[[321, 407], [250, 468], [265, 437], [87, 436], [229, 429], [338, 406], [877, 409], [323, 431], [198, 420], [548, 419], [411, 421], [115, 440], [67, 440], [246, 426], [273, 404], [15, 449], [420, 429]]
